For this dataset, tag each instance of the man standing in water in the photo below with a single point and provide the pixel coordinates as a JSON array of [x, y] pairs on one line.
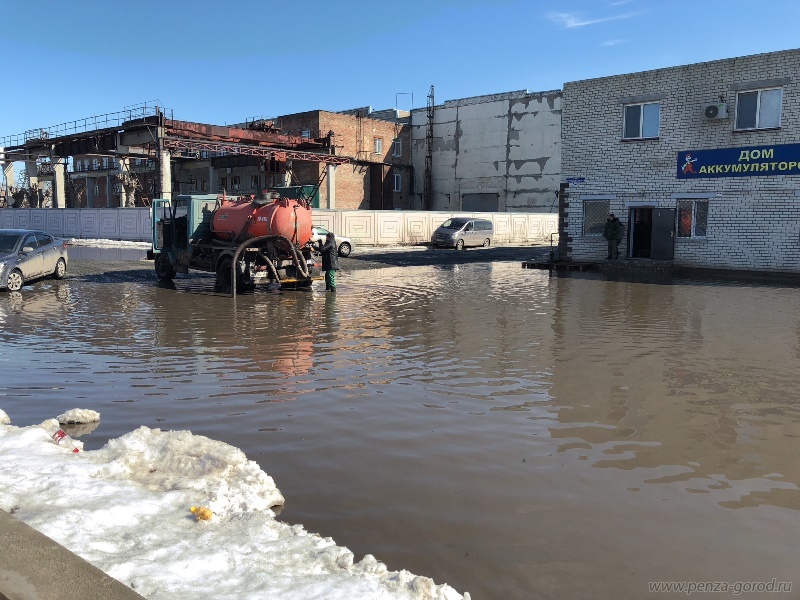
[[330, 261], [613, 233]]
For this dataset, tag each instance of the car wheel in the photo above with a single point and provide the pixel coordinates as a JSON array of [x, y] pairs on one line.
[[344, 249], [15, 281], [486, 243], [460, 245], [164, 268], [61, 269]]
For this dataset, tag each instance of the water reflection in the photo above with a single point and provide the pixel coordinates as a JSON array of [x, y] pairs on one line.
[[513, 434]]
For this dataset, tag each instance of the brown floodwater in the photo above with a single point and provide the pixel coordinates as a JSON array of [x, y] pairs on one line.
[[509, 433]]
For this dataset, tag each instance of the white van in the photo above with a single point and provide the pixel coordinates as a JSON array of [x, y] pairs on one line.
[[460, 232]]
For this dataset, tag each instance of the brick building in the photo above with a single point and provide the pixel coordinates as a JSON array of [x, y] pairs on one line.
[[700, 162], [378, 176]]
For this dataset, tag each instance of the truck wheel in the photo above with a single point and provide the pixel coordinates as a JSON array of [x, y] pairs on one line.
[[224, 272], [164, 268]]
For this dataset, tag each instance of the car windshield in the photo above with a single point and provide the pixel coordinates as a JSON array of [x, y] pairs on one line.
[[8, 242], [453, 223]]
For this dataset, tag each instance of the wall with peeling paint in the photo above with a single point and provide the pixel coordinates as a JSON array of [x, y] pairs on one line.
[[505, 144]]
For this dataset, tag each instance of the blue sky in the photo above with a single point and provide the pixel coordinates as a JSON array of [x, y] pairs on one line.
[[221, 62]]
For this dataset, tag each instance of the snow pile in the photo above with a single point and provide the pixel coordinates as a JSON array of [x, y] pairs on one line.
[[78, 415], [4, 418], [126, 509]]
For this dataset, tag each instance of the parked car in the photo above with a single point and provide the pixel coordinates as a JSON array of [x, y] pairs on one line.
[[345, 243], [460, 232], [26, 255]]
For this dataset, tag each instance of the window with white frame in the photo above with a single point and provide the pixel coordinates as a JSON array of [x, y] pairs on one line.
[[595, 213], [759, 109], [641, 121], [236, 183], [692, 218], [398, 183], [397, 149], [377, 145]]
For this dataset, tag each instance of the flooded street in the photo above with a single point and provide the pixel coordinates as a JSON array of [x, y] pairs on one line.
[[512, 434]]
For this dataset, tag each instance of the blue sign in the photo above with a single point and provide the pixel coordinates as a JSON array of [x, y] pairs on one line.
[[740, 162]]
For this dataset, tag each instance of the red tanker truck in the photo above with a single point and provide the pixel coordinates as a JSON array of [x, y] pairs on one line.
[[244, 240]]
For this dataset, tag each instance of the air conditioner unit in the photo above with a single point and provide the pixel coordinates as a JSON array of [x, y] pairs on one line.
[[716, 111]]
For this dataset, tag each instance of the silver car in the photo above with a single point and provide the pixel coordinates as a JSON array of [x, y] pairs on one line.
[[460, 232], [345, 243], [26, 255]]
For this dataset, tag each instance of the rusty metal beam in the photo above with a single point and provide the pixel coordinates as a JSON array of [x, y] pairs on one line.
[[281, 154], [220, 133]]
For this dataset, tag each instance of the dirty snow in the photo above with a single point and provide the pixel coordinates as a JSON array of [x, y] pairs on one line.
[[126, 509], [79, 415]]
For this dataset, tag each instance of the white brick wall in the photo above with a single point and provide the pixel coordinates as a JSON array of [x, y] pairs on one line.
[[753, 222]]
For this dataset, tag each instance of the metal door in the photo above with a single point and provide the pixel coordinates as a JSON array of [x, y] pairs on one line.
[[662, 242]]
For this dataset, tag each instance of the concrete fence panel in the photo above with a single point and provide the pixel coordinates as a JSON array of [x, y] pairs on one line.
[[108, 223], [88, 226], [72, 223], [38, 218]]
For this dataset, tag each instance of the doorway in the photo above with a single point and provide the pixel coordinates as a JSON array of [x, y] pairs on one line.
[[651, 233]]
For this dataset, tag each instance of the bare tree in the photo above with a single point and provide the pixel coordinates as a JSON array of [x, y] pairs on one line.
[[131, 184]]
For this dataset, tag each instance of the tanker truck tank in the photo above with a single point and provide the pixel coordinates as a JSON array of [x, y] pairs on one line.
[[242, 219]]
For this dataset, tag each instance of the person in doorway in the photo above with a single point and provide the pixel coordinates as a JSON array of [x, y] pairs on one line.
[[613, 233], [330, 261]]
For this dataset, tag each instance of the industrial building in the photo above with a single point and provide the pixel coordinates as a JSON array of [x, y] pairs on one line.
[[354, 160], [500, 152]]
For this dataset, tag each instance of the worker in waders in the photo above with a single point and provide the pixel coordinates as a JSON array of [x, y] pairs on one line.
[[330, 261]]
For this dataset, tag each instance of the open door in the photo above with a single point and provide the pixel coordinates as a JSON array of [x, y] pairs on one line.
[[662, 241]]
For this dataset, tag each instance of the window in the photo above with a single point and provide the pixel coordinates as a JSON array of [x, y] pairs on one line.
[[398, 183], [397, 150], [193, 185], [96, 190], [306, 133], [692, 218], [595, 213], [641, 121], [105, 162], [255, 182], [222, 184], [203, 185], [236, 182], [759, 109], [378, 145]]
